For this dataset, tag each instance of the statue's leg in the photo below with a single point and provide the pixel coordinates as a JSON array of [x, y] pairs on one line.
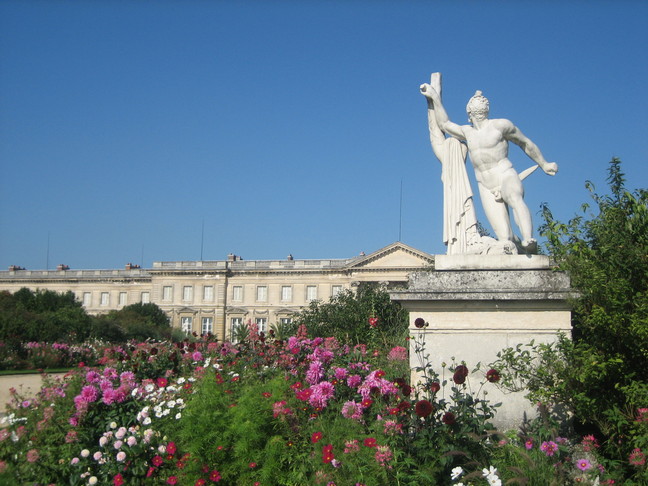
[[497, 214], [513, 195]]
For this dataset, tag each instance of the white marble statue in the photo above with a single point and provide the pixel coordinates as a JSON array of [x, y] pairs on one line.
[[500, 186], [460, 233]]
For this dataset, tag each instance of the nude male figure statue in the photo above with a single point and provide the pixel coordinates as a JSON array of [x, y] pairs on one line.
[[500, 186]]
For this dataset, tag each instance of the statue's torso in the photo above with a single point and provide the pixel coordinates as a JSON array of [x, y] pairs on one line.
[[488, 151]]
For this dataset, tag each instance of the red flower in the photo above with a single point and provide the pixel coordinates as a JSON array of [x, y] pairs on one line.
[[172, 480], [423, 408], [171, 448], [81, 364], [370, 442], [118, 480], [379, 374], [214, 476], [460, 374], [493, 375], [419, 322], [150, 472], [316, 437], [327, 454], [200, 482], [366, 403], [373, 321], [162, 382], [157, 461], [448, 418], [435, 386], [252, 465], [266, 394]]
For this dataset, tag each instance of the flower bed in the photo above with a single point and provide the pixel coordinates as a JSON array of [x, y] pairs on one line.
[[294, 412]]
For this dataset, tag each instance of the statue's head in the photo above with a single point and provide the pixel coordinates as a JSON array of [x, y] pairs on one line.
[[477, 107]]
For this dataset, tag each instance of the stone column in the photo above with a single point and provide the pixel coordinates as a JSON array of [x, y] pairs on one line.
[[476, 305]]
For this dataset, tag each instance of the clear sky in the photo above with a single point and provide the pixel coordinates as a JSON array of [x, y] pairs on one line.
[[143, 131]]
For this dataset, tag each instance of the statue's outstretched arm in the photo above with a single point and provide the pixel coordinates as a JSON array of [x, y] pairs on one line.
[[513, 133]]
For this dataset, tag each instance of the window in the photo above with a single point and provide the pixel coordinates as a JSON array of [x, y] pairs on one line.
[[207, 325], [236, 322], [87, 299], [208, 293], [187, 324], [286, 293], [335, 289], [285, 320], [261, 323], [237, 293], [123, 298], [167, 293], [311, 292], [187, 293], [105, 299], [146, 297], [262, 293]]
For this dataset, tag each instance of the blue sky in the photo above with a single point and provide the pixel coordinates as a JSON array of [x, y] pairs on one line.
[[287, 127]]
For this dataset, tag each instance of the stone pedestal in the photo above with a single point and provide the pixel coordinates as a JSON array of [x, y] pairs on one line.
[[476, 305]]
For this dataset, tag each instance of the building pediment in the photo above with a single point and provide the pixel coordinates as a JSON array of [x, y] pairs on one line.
[[236, 310], [396, 255]]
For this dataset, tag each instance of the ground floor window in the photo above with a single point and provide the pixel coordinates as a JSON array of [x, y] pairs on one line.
[[207, 325], [262, 323], [187, 324]]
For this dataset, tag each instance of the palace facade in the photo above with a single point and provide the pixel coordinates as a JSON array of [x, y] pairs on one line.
[[217, 296]]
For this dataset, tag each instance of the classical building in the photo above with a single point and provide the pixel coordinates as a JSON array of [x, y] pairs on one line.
[[218, 296]]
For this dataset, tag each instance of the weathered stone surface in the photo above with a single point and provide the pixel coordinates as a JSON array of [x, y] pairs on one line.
[[472, 314]]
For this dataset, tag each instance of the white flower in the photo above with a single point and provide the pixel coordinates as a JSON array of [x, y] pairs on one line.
[[97, 455], [121, 455], [131, 441], [171, 404], [103, 440], [456, 472], [149, 388], [489, 472], [147, 421], [162, 449], [85, 453], [181, 380], [494, 481], [92, 480], [178, 416], [113, 425]]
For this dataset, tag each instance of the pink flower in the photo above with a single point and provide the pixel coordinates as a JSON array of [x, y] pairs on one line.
[[549, 447], [397, 353], [528, 445], [197, 356], [315, 372], [583, 464], [352, 410], [637, 458], [322, 393], [32, 455], [383, 455]]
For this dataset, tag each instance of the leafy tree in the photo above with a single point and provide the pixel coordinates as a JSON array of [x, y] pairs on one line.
[[43, 315], [346, 317], [136, 321], [602, 374]]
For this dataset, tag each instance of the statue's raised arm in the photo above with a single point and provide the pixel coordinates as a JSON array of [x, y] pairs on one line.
[[442, 119]]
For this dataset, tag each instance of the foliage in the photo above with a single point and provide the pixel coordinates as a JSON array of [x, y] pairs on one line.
[[137, 321], [601, 377], [44, 315], [346, 315]]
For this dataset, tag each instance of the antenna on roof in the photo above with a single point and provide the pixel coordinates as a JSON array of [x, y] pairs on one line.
[[202, 239], [400, 215]]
